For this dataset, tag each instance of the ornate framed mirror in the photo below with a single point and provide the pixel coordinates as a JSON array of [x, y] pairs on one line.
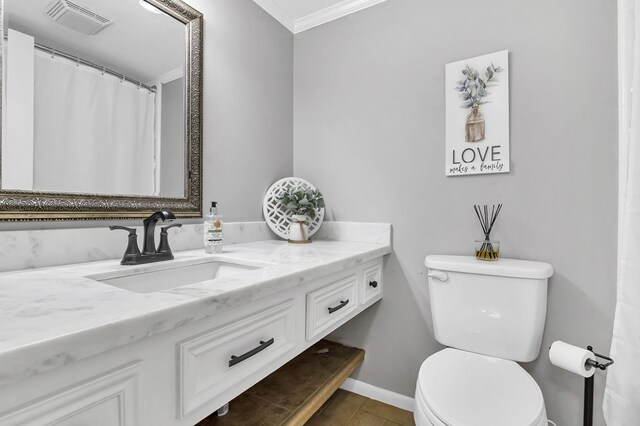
[[101, 109]]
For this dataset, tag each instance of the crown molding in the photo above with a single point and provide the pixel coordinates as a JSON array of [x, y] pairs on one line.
[[344, 8], [273, 9], [338, 10]]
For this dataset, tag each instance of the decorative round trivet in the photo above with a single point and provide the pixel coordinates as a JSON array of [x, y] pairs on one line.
[[278, 217]]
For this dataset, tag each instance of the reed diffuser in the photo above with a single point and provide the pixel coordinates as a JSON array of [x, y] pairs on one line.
[[487, 249]]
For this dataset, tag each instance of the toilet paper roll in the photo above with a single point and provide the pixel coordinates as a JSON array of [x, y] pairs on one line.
[[571, 358]]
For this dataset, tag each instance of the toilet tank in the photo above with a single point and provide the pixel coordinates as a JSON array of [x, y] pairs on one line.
[[496, 308]]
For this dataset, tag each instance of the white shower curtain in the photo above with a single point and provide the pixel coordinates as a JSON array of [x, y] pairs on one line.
[[92, 132], [622, 393]]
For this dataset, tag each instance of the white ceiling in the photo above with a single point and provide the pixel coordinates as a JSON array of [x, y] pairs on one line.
[[140, 44], [301, 15]]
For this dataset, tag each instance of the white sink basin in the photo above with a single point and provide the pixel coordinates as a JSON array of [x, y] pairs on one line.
[[169, 276]]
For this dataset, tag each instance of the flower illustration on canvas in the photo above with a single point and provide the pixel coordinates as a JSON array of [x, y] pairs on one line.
[[473, 89]]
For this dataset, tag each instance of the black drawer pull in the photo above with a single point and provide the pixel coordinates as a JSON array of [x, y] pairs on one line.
[[238, 359], [373, 284], [342, 304]]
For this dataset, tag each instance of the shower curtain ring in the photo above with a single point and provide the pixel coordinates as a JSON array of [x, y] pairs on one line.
[[139, 85], [77, 62], [53, 52], [122, 79], [103, 69]]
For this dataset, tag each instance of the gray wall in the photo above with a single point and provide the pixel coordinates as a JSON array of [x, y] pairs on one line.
[[248, 111], [248, 105], [369, 132]]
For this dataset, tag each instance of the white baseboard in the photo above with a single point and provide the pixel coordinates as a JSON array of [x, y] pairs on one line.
[[388, 397]]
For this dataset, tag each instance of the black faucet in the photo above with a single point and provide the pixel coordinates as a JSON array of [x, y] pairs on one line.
[[150, 228], [132, 255]]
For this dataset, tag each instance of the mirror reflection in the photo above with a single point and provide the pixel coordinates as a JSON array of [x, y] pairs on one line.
[[93, 98]]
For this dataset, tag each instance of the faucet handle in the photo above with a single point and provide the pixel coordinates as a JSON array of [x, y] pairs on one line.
[[174, 225], [163, 247], [132, 231], [132, 251]]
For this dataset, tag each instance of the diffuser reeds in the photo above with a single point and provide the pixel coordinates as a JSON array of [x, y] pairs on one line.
[[487, 249]]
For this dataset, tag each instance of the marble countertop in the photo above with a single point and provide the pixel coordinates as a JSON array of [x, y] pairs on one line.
[[54, 316]]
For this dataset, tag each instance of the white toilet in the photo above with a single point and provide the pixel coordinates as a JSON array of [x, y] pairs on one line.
[[490, 314]]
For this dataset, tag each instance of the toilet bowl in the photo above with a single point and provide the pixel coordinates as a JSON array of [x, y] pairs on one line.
[[459, 388], [491, 315]]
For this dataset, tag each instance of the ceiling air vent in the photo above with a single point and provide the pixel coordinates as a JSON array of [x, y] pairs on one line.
[[76, 17]]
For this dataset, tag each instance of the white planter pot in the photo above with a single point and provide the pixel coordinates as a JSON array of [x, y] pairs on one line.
[[299, 230]]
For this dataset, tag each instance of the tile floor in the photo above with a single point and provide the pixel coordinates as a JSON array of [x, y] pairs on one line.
[[349, 409]]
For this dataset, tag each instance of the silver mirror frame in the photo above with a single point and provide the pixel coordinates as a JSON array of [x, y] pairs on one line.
[[37, 206]]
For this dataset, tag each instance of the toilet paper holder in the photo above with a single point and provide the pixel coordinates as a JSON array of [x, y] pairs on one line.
[[595, 364], [588, 385]]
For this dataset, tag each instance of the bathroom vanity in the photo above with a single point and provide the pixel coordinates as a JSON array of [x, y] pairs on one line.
[[169, 343]]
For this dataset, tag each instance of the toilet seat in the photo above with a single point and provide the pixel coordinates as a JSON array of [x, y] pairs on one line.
[[458, 388]]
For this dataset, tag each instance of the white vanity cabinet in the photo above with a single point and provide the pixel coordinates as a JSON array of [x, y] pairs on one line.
[[180, 376]]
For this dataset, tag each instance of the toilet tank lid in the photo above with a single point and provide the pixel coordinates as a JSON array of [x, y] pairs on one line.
[[502, 267]]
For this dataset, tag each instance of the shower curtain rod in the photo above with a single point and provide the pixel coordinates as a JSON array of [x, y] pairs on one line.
[[100, 68]]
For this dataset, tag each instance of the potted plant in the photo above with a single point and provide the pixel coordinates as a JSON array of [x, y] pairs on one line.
[[473, 89], [303, 204]]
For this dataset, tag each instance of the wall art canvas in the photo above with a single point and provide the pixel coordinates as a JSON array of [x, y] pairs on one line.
[[477, 115]]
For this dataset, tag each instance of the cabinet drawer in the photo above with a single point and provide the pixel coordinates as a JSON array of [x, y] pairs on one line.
[[328, 305], [371, 288], [109, 399], [213, 361]]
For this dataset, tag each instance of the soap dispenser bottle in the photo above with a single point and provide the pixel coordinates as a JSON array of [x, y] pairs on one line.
[[213, 230]]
